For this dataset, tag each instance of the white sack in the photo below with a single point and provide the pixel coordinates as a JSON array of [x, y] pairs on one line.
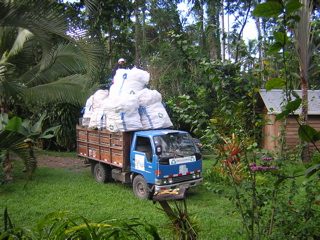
[[154, 116], [88, 109], [129, 81], [148, 97], [121, 104], [98, 98], [98, 119], [124, 121], [118, 77], [139, 75]]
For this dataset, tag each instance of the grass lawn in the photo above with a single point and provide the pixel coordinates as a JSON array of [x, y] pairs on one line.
[[77, 192]]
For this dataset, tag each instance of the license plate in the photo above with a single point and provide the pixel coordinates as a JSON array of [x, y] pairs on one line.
[[181, 160]]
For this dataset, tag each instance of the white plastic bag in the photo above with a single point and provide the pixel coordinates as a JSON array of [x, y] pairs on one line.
[[129, 81], [148, 97], [154, 116], [123, 121], [98, 98], [98, 119]]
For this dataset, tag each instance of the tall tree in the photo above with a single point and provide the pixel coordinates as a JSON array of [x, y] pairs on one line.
[[138, 37], [305, 49], [213, 33]]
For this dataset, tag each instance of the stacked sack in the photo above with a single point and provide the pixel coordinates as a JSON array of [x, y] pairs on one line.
[[94, 116], [129, 81], [128, 106], [122, 114], [153, 114]]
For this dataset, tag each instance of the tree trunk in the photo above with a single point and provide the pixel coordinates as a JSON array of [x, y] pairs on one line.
[[241, 31], [223, 50], [7, 167], [305, 153], [228, 31], [303, 37], [2, 105], [137, 35], [214, 47], [202, 24], [260, 42], [144, 37], [110, 46]]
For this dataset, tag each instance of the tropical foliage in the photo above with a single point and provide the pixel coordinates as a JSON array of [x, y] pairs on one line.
[[18, 137], [43, 61], [64, 225], [54, 54]]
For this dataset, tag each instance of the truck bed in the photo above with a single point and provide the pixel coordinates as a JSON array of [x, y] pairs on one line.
[[112, 148]]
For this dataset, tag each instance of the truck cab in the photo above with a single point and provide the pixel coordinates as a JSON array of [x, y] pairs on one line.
[[163, 160], [153, 161]]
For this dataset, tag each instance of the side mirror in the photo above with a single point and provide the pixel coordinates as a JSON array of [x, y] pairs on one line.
[[197, 142], [158, 150]]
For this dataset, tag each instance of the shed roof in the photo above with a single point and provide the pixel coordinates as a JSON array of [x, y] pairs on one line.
[[275, 100]]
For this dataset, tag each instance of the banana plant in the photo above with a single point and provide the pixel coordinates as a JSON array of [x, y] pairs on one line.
[[17, 136]]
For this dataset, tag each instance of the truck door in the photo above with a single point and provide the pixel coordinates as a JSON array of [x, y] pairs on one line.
[[142, 159]]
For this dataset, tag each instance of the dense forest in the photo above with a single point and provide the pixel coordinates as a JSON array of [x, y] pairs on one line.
[[56, 53]]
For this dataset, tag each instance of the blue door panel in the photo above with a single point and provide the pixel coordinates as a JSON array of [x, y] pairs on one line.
[[140, 165]]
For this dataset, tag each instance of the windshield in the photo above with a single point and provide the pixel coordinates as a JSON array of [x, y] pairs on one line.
[[175, 145]]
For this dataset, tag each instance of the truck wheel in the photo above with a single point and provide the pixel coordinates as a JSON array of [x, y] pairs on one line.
[[102, 173], [140, 188]]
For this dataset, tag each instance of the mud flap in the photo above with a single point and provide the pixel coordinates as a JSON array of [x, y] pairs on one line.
[[172, 194]]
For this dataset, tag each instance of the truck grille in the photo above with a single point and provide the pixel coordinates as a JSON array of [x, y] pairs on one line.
[[182, 178]]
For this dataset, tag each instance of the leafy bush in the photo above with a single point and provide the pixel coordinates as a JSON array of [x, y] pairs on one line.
[[17, 136], [271, 194], [64, 225], [186, 114], [66, 116]]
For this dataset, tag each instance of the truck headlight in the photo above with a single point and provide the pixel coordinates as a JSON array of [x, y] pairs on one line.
[[170, 180]]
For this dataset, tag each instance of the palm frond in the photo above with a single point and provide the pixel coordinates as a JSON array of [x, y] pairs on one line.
[[63, 60], [9, 87], [68, 89], [7, 37], [46, 19], [40, 17], [10, 140], [23, 36]]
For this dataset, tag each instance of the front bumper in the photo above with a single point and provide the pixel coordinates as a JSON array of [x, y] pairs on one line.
[[188, 184]]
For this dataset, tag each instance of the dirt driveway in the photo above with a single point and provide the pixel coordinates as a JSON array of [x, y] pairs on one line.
[[73, 163]]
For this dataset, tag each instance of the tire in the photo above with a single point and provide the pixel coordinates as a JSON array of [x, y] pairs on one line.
[[102, 173], [141, 188]]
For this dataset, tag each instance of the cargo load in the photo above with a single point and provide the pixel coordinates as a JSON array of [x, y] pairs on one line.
[[128, 106]]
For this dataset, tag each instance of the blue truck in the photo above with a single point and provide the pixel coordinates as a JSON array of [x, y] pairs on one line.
[[152, 161]]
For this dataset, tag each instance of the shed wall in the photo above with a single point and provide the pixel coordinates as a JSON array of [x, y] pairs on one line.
[[292, 127], [271, 131]]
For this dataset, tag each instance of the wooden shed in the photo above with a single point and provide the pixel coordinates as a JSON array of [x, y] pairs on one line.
[[272, 103]]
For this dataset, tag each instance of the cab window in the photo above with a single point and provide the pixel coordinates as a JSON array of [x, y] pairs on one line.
[[143, 145]]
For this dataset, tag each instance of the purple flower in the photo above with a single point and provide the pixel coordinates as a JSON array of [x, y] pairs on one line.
[[267, 159], [259, 168]]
